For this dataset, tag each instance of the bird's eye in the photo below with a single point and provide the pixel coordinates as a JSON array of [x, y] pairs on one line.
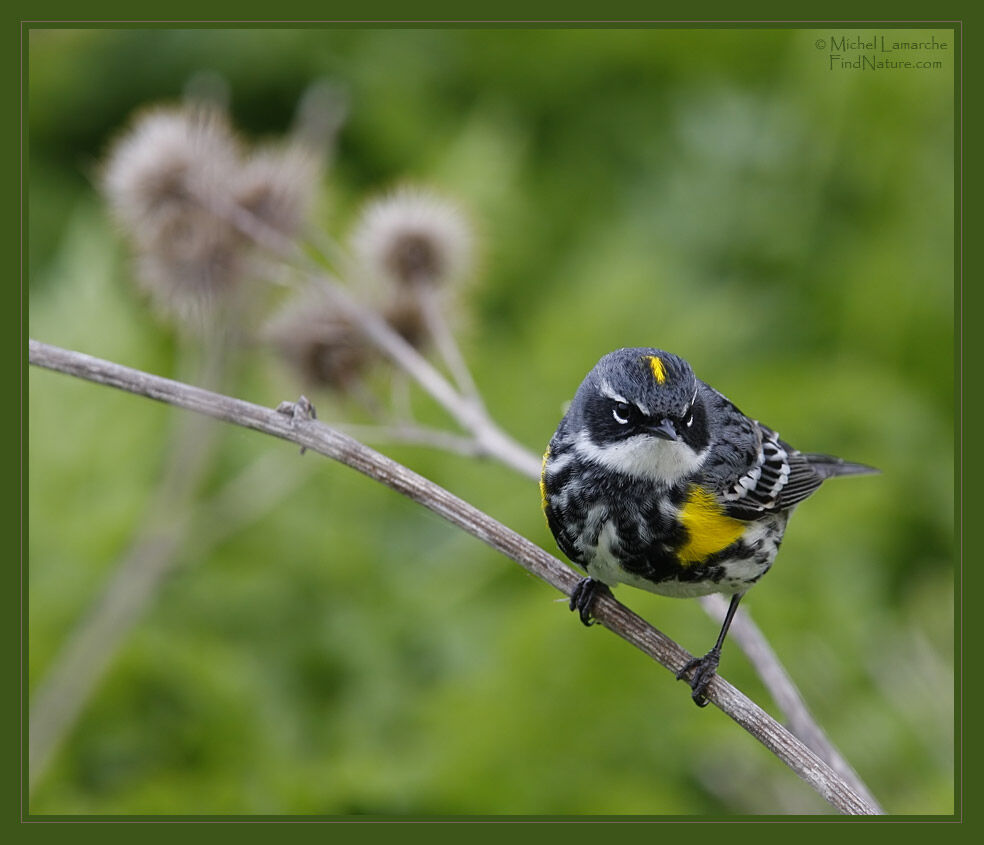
[[688, 418], [622, 412]]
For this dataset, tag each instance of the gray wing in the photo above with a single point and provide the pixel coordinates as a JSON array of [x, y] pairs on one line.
[[759, 474]]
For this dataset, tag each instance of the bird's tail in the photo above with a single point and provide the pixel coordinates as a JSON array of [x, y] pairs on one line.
[[827, 466]]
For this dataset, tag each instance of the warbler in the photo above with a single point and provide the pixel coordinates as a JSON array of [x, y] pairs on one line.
[[655, 479]]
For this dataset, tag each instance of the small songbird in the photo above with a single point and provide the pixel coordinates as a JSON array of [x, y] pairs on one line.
[[656, 480]]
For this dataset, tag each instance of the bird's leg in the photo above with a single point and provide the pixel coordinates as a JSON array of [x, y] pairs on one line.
[[583, 595], [705, 667]]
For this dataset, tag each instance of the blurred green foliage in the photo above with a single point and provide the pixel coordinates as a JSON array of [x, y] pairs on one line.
[[723, 194]]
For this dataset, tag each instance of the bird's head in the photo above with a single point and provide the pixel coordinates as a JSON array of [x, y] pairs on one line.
[[641, 412]]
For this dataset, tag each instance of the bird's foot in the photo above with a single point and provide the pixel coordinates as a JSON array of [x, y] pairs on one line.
[[583, 596], [703, 669]]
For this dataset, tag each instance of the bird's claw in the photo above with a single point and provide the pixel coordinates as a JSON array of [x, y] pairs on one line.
[[703, 669], [583, 596]]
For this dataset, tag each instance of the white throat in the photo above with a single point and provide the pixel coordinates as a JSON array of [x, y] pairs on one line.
[[663, 462]]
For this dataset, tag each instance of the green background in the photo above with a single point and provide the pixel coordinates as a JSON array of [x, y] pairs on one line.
[[723, 194]]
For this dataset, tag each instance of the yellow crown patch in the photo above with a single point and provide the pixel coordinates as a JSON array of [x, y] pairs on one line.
[[659, 371]]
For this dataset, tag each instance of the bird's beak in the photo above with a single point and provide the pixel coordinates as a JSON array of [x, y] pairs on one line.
[[665, 429]]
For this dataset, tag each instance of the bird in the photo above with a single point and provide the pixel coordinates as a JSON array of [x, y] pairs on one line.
[[656, 480]]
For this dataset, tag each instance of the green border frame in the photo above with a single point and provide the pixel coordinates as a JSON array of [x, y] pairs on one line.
[[447, 15]]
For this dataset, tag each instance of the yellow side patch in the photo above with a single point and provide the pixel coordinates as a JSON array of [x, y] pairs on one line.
[[709, 529], [543, 480], [659, 371]]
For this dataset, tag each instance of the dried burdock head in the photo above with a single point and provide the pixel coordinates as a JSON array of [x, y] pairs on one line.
[[196, 274], [164, 178], [413, 237], [322, 345], [160, 171], [279, 186]]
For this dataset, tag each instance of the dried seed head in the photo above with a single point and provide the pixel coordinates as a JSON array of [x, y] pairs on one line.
[[325, 348], [197, 272], [156, 169], [413, 237], [279, 185], [162, 178]]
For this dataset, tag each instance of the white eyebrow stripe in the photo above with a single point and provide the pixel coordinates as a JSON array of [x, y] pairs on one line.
[[690, 407], [609, 391], [643, 408]]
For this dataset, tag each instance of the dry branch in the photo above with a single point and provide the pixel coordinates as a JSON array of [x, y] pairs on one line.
[[616, 617]]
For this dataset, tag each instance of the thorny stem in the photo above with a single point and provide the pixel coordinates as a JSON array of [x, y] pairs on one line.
[[610, 613]]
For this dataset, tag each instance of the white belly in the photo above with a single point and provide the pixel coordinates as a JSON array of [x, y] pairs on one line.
[[604, 567]]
